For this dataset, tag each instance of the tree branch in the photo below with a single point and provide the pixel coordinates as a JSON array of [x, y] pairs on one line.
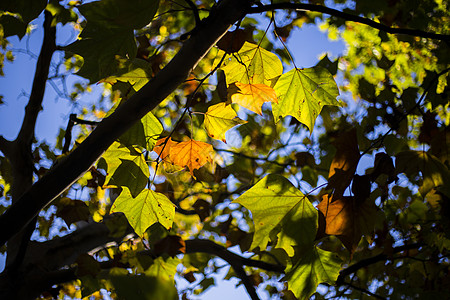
[[70, 168], [207, 246], [349, 17], [235, 261], [45, 262], [19, 153], [372, 260], [34, 105]]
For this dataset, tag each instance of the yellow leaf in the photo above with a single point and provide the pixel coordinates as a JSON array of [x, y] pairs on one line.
[[219, 118], [252, 96], [252, 64]]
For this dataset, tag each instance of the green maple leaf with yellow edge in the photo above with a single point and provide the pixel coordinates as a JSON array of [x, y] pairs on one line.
[[303, 92], [280, 211], [144, 210], [219, 118], [252, 64], [313, 267]]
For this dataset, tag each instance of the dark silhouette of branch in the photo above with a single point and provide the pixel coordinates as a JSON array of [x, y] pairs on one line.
[[70, 168], [349, 17], [19, 152], [194, 11], [235, 261], [73, 120], [207, 246], [372, 260], [363, 290]]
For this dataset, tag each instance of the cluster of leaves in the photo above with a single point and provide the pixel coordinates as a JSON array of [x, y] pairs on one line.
[[296, 183]]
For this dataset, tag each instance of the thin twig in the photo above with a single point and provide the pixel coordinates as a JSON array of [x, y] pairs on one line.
[[348, 17]]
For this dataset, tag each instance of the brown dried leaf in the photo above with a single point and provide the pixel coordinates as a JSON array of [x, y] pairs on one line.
[[348, 219], [344, 163]]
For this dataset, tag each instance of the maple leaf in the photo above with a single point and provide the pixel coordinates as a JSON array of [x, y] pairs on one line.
[[126, 166], [252, 96], [252, 64], [137, 73], [162, 148], [219, 118], [278, 208], [314, 266], [435, 174], [191, 154], [344, 162], [348, 218], [303, 92], [144, 210]]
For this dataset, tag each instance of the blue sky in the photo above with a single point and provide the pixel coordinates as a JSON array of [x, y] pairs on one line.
[[306, 45]]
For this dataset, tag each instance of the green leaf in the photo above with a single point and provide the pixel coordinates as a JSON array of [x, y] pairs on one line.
[[144, 133], [110, 32], [131, 14], [435, 174], [314, 266], [27, 11], [164, 268], [303, 92], [278, 208], [144, 210], [137, 72], [126, 167], [99, 49], [252, 64], [140, 287]]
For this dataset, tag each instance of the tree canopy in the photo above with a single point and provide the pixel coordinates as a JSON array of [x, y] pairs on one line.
[[209, 141]]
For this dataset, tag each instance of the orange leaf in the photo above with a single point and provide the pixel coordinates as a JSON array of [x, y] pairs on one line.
[[191, 154], [348, 219], [162, 148], [252, 96], [344, 163]]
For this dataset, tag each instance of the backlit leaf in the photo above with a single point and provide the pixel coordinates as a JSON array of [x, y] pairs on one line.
[[126, 167], [144, 210], [279, 209], [219, 118], [143, 287], [144, 133], [435, 173], [110, 27], [314, 266], [344, 162], [303, 92], [348, 219], [252, 96], [137, 73], [252, 64], [191, 154]]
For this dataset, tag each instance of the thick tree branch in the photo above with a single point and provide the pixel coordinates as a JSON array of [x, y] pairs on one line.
[[349, 17], [69, 169]]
